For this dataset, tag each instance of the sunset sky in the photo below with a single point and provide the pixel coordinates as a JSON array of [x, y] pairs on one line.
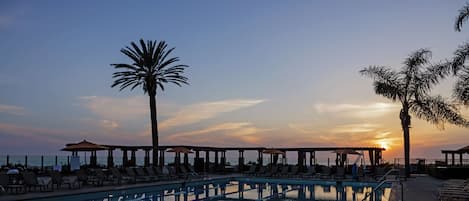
[[262, 73]]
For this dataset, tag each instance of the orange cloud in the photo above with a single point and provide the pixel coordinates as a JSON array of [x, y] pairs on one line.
[[206, 110]]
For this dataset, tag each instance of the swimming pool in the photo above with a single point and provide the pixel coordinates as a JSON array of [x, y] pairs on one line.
[[239, 188]]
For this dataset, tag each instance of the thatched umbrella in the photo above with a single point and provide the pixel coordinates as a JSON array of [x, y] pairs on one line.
[[273, 154], [343, 154], [178, 151], [85, 146]]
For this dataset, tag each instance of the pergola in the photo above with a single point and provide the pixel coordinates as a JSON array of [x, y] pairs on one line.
[[202, 163], [460, 151]]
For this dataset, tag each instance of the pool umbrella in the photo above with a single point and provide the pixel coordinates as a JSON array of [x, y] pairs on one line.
[[343, 155], [273, 154], [85, 146], [178, 151]]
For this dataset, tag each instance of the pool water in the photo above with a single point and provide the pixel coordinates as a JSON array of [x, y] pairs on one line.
[[241, 189]]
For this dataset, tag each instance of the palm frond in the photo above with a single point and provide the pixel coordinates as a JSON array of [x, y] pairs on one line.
[[392, 92], [462, 17], [460, 57], [415, 60], [461, 89], [438, 111]]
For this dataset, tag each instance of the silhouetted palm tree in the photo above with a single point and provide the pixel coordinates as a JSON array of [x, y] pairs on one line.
[[457, 67], [462, 17], [411, 87], [151, 68]]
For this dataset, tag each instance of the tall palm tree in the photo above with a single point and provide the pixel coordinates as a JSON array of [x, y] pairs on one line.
[[151, 68], [462, 17], [411, 88]]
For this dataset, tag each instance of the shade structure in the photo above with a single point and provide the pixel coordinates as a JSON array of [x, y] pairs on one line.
[[180, 150], [464, 150], [84, 146], [346, 151], [273, 151]]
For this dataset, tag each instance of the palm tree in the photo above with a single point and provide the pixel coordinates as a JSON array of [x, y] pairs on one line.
[[462, 17], [151, 69], [411, 88]]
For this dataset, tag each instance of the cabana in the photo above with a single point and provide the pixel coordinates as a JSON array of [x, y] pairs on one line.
[[460, 151]]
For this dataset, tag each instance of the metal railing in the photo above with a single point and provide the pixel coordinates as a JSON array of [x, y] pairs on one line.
[[383, 181]]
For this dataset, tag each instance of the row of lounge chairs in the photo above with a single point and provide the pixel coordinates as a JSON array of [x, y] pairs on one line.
[[292, 171], [454, 190], [29, 181], [138, 174]]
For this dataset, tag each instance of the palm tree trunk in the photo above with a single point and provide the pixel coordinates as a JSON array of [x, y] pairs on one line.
[[154, 128], [405, 123]]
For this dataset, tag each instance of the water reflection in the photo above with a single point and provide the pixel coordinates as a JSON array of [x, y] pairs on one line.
[[242, 190]]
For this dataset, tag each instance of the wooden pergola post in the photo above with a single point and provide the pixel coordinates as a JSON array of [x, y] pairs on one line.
[[146, 158], [460, 159], [207, 161], [133, 159], [241, 160], [161, 163], [125, 158], [446, 159], [110, 158], [452, 159], [216, 159], [259, 158]]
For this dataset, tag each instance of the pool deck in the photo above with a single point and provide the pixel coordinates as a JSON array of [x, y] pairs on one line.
[[418, 187]]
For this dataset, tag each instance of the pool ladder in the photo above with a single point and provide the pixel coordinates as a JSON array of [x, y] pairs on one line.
[[383, 181]]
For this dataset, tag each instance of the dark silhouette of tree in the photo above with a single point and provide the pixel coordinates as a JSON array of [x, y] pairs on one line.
[[411, 87], [462, 17], [461, 88], [151, 68]]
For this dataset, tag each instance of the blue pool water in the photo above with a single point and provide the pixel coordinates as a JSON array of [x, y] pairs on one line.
[[240, 189]]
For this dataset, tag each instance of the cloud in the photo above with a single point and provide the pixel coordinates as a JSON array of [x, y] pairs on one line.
[[302, 128], [356, 110], [355, 128], [231, 133], [122, 109], [11, 109], [206, 110]]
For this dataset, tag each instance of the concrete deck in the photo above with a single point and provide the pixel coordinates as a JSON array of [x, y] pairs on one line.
[[418, 187]]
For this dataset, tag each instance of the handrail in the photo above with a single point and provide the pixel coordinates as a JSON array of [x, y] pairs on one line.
[[388, 173], [382, 181]]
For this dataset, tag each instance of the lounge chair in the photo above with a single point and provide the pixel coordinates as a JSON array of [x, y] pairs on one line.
[[454, 191], [251, 171], [310, 172], [141, 173], [117, 177], [56, 179], [271, 172], [186, 174], [340, 173], [166, 171], [97, 178], [131, 173], [293, 171], [262, 170], [71, 181], [31, 181], [325, 172], [160, 174], [152, 173], [284, 172]]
